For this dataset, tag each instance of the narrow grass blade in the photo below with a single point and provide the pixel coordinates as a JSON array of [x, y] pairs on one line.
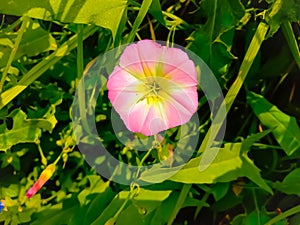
[[212, 133], [139, 19], [291, 40], [228, 101], [41, 67]]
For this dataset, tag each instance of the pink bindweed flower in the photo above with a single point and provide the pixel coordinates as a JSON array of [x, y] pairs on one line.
[[44, 177], [153, 88]]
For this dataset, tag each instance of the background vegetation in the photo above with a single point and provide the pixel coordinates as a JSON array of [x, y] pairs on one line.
[[252, 48]]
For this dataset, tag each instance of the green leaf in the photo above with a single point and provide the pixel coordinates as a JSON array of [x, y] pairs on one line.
[[219, 190], [111, 209], [97, 185], [41, 67], [230, 163], [213, 40], [36, 36], [290, 185], [11, 191], [284, 127], [24, 130], [254, 218], [149, 199], [98, 203], [141, 206], [163, 212], [282, 11], [103, 13], [34, 202], [57, 214], [155, 10], [33, 35], [11, 159]]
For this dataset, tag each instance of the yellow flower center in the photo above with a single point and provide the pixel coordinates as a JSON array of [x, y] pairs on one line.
[[153, 89], [150, 89]]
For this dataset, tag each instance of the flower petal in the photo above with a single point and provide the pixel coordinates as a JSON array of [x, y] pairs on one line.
[[150, 121], [184, 74], [141, 57], [124, 97]]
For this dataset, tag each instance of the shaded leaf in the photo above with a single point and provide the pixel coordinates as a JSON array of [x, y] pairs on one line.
[[155, 10], [57, 214], [219, 190], [290, 185], [213, 40], [282, 11], [284, 127], [254, 218], [98, 204]]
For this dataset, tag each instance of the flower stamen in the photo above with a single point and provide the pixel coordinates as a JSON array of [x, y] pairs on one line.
[[152, 92]]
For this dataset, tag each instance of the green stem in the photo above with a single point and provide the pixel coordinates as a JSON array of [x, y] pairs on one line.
[[236, 86], [80, 85], [212, 29], [204, 199], [284, 215], [265, 146], [12, 27], [291, 40], [79, 50], [26, 20], [139, 19], [142, 161], [2, 21], [43, 158], [257, 209], [43, 66], [131, 194], [182, 196], [58, 158], [229, 99]]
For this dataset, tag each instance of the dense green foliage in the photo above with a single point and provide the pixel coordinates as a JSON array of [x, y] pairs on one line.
[[252, 47]]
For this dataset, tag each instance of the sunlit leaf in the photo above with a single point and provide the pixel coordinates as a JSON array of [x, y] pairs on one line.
[[97, 185], [23, 130], [103, 13], [142, 205], [33, 35], [231, 162]]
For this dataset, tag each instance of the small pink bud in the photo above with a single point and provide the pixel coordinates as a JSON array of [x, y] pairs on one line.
[[44, 177]]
